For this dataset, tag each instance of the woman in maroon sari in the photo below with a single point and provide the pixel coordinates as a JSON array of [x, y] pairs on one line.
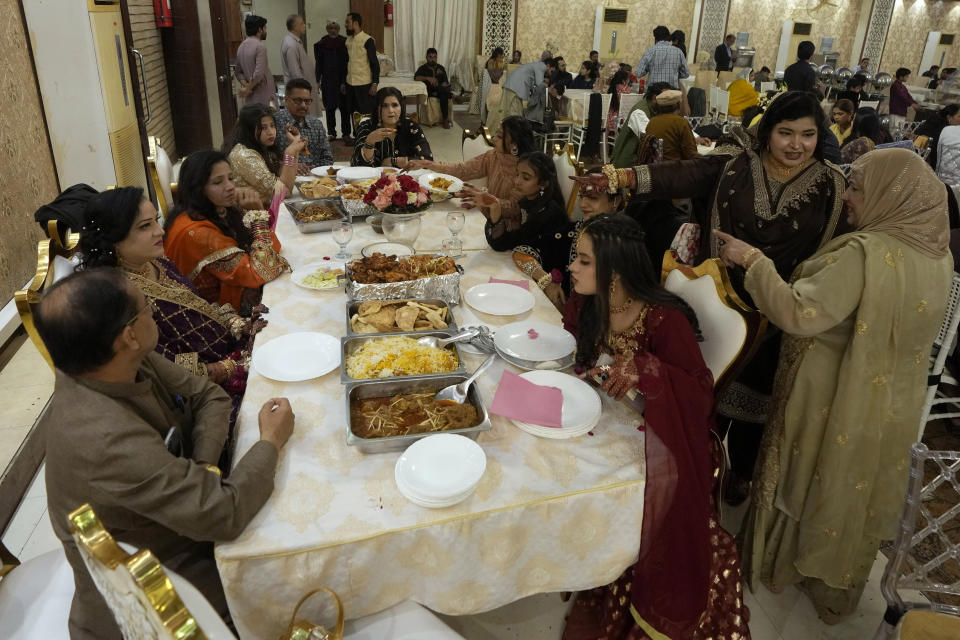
[[686, 581], [121, 229]]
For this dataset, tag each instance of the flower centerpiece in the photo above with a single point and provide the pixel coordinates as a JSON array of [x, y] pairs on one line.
[[397, 194]]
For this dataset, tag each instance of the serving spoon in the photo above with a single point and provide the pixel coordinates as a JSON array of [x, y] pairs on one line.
[[439, 343], [458, 392]]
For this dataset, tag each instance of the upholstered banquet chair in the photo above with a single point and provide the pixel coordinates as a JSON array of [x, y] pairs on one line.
[[56, 258], [731, 330], [35, 596], [148, 601], [565, 161], [161, 173]]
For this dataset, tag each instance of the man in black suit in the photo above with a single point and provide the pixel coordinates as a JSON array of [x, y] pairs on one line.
[[723, 54], [800, 76]]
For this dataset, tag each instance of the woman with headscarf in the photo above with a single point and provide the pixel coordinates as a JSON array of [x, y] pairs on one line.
[[388, 137], [742, 93], [859, 317]]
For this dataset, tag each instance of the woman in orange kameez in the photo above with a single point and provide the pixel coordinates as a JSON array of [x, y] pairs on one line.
[[227, 254]]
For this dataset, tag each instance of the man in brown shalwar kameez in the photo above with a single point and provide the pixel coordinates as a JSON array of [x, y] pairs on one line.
[[136, 436]]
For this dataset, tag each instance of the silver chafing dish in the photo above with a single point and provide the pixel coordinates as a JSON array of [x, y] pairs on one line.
[[296, 206], [394, 386], [353, 305], [446, 288], [350, 344]]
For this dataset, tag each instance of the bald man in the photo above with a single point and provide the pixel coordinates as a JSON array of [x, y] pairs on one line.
[[137, 437]]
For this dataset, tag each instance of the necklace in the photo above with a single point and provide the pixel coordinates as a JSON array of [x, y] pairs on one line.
[[781, 171], [144, 272], [623, 307]]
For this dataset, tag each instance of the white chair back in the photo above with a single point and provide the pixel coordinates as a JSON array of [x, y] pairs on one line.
[[730, 329], [627, 102], [768, 86], [474, 144], [35, 598], [722, 105], [161, 172], [565, 163], [872, 104]]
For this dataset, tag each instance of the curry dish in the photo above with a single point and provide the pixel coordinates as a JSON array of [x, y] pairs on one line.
[[406, 414], [380, 268]]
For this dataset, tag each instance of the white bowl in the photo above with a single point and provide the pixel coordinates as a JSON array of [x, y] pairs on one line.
[[358, 174]]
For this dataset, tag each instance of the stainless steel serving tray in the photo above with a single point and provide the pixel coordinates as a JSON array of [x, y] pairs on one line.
[[446, 288], [350, 344], [296, 206], [353, 305], [383, 388]]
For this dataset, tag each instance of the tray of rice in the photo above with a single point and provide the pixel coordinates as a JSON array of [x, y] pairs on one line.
[[390, 415], [392, 316], [396, 356], [422, 276]]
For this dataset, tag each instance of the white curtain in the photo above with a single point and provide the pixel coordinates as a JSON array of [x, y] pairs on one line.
[[448, 26]]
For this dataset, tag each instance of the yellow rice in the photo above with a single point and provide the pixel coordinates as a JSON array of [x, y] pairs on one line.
[[398, 356]]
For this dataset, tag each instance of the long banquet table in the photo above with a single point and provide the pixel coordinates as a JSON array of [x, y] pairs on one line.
[[548, 515]]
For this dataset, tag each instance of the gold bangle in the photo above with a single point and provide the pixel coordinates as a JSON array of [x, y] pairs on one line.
[[545, 281], [214, 468], [611, 173], [749, 254]]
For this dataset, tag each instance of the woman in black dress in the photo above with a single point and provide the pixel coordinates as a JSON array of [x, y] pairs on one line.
[[388, 137]]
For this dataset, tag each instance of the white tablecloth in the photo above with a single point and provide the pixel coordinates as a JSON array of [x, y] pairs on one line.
[[548, 515], [409, 87]]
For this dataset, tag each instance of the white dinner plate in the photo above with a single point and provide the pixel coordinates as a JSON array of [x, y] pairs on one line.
[[581, 403], [555, 434], [387, 249], [300, 179], [321, 172], [410, 495], [535, 340], [441, 467], [301, 273], [357, 174], [425, 179], [499, 299], [297, 356]]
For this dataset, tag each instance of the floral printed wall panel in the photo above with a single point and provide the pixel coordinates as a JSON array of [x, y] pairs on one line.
[[713, 26], [568, 27], [25, 158], [498, 17], [911, 21], [764, 21]]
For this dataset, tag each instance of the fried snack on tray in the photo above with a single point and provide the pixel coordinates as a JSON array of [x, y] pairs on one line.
[[398, 356], [408, 413], [380, 268], [332, 171], [381, 316], [319, 188], [352, 192], [441, 183]]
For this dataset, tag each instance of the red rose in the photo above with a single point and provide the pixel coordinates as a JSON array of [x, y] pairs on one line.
[[408, 184], [382, 182], [370, 196], [399, 198]]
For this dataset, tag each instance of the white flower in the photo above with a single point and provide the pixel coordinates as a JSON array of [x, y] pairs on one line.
[[411, 198]]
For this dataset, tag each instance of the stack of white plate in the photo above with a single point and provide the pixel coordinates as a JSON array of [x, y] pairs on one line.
[[440, 470], [581, 406]]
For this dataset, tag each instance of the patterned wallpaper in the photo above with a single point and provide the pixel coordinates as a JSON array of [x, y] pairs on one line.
[[568, 26], [764, 22], [25, 157], [911, 21], [497, 28]]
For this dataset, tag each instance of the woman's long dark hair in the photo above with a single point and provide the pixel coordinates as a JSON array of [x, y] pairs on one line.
[[107, 220], [792, 105], [866, 124], [592, 72], [949, 110], [618, 248], [517, 130], [247, 132], [618, 79], [546, 171], [679, 40], [191, 200]]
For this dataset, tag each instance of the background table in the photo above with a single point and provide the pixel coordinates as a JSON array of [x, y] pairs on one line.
[[548, 515]]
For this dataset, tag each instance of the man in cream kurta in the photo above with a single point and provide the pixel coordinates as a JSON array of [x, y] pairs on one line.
[[363, 68], [294, 60], [114, 402]]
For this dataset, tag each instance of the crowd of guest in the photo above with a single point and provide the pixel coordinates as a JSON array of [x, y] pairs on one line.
[[851, 270]]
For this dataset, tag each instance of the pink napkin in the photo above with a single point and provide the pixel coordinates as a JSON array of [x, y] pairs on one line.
[[520, 399], [275, 207], [525, 284]]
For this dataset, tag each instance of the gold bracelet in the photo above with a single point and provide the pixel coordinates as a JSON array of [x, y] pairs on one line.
[[214, 468], [749, 254], [545, 281], [611, 173]]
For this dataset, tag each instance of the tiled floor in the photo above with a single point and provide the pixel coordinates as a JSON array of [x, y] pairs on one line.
[[25, 385]]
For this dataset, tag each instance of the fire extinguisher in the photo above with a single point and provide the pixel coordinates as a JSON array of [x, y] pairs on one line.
[[388, 14], [163, 13]]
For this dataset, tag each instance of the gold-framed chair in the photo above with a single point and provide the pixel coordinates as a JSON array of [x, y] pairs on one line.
[[731, 330], [161, 173], [138, 591], [474, 143], [567, 165], [357, 118], [54, 261]]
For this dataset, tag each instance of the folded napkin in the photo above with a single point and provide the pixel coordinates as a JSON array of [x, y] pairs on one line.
[[519, 399], [525, 284]]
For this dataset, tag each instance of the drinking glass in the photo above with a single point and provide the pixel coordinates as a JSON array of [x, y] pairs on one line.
[[453, 247], [342, 234]]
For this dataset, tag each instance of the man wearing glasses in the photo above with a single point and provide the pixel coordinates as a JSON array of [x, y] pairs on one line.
[[299, 97]]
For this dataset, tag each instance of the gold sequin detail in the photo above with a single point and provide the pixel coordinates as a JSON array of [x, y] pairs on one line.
[[899, 253], [809, 313], [880, 381], [825, 412], [901, 464], [831, 260], [922, 306], [863, 484], [888, 258], [830, 533], [861, 327], [842, 439], [918, 359], [845, 578]]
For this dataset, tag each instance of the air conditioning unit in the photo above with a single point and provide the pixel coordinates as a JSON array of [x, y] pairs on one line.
[[610, 32]]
